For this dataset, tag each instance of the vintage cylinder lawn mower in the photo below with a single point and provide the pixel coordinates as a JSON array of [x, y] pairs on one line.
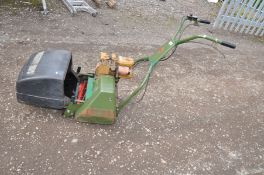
[[48, 80]]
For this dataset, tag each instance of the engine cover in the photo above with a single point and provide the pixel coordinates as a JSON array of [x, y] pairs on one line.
[[47, 79]]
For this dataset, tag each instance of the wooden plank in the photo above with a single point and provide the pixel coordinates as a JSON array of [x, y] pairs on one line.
[[220, 13], [244, 16], [250, 14], [259, 19], [255, 16], [229, 5], [243, 21], [261, 26], [232, 13], [242, 6], [262, 33]]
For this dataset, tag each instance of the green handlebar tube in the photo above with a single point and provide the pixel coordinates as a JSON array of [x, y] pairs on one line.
[[160, 54]]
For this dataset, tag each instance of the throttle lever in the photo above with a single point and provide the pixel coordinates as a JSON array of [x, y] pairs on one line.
[[192, 18]]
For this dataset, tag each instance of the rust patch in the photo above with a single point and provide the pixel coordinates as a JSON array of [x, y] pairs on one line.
[[160, 50], [98, 113]]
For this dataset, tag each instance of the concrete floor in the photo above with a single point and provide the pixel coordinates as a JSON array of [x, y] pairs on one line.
[[202, 114]]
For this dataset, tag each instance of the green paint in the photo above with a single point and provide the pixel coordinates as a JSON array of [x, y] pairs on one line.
[[89, 89], [156, 57], [100, 100], [71, 109], [76, 91], [101, 106]]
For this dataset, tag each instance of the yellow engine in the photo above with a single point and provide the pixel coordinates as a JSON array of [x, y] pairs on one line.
[[114, 65]]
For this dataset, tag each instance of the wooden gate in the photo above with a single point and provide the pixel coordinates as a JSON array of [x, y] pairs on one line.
[[244, 16]]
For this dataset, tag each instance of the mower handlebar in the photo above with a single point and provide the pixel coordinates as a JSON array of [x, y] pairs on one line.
[[164, 50], [228, 44], [223, 43], [204, 21], [196, 19]]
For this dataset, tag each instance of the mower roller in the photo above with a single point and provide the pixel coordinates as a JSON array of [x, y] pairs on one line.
[[48, 79]]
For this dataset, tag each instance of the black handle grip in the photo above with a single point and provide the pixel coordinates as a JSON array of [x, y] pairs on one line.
[[204, 21], [227, 44]]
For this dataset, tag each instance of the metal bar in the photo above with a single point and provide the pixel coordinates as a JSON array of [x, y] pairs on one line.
[[86, 8], [153, 60], [141, 59], [79, 5], [45, 10], [186, 40], [137, 90], [156, 57], [76, 3], [69, 6]]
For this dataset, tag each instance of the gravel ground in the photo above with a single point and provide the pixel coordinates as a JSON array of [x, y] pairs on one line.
[[202, 114]]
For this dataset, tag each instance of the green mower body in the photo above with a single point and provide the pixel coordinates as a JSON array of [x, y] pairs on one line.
[[100, 105]]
